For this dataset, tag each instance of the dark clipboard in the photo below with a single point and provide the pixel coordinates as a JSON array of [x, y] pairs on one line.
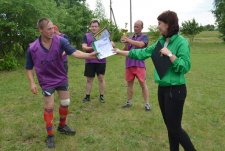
[[161, 62]]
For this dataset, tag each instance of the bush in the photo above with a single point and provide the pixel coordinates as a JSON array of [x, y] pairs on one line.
[[8, 63], [190, 29], [153, 33], [116, 35]]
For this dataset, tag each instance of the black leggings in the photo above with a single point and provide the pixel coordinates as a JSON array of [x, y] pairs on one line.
[[171, 101]]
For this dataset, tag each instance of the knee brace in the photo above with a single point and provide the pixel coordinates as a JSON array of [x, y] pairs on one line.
[[65, 102]]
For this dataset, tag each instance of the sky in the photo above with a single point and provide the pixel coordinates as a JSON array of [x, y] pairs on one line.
[[148, 11]]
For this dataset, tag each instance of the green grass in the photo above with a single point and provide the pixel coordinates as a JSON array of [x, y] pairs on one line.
[[208, 36], [107, 127]]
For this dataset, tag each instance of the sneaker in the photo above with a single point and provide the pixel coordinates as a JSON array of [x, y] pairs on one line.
[[101, 99], [50, 142], [66, 130], [127, 105], [147, 107], [86, 99]]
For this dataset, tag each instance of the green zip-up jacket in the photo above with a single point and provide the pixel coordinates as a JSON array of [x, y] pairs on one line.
[[179, 46]]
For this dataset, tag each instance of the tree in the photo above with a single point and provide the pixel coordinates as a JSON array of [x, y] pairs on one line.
[[99, 10], [219, 13], [69, 3], [190, 28], [153, 32], [209, 27], [75, 23], [74, 19], [99, 13], [18, 22]]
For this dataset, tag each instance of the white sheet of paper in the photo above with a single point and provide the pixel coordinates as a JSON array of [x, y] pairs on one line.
[[105, 33], [104, 48]]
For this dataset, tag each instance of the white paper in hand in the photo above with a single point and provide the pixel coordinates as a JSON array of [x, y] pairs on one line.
[[105, 33], [103, 47]]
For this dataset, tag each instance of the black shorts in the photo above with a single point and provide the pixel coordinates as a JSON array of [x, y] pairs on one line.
[[94, 68], [49, 92]]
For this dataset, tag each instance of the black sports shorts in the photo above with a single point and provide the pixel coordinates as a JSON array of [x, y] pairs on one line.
[[94, 68]]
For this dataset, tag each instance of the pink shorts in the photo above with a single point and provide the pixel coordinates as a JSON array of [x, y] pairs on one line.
[[133, 72]]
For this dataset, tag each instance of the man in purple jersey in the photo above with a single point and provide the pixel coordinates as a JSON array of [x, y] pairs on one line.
[[93, 66], [136, 68], [45, 55]]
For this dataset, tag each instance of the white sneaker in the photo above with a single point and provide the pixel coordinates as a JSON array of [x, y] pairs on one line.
[[147, 107]]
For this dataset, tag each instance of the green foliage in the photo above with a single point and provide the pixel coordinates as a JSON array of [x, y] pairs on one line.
[[8, 63], [69, 3], [190, 28], [73, 19], [18, 21], [208, 27], [75, 23], [220, 17], [153, 33], [99, 11], [116, 34]]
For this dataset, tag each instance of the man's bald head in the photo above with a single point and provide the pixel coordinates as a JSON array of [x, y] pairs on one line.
[[139, 22], [138, 26]]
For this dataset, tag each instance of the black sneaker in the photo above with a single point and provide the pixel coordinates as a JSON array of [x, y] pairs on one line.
[[147, 107], [127, 105], [101, 99], [50, 142], [66, 130], [86, 99]]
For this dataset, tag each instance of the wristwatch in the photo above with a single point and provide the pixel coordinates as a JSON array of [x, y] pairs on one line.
[[170, 55]]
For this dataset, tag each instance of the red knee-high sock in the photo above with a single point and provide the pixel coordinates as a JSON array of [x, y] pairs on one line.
[[63, 111], [48, 117]]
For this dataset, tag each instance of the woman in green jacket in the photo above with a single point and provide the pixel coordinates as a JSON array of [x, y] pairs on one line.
[[172, 89]]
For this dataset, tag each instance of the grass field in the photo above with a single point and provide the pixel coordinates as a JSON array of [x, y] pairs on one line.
[[108, 127]]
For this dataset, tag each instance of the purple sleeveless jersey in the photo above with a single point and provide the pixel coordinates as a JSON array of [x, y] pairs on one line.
[[133, 62], [90, 39], [48, 64]]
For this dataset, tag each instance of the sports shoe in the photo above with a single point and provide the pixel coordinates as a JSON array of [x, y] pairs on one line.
[[50, 142], [86, 99], [147, 107], [101, 99], [127, 105], [66, 130]]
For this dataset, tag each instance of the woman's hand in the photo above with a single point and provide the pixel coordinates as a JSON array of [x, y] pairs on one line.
[[120, 52], [116, 50], [165, 51]]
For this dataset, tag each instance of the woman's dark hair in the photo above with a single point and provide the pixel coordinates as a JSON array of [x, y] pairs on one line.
[[171, 19]]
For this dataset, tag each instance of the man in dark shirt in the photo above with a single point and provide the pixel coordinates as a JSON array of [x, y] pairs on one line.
[[93, 66], [45, 55]]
